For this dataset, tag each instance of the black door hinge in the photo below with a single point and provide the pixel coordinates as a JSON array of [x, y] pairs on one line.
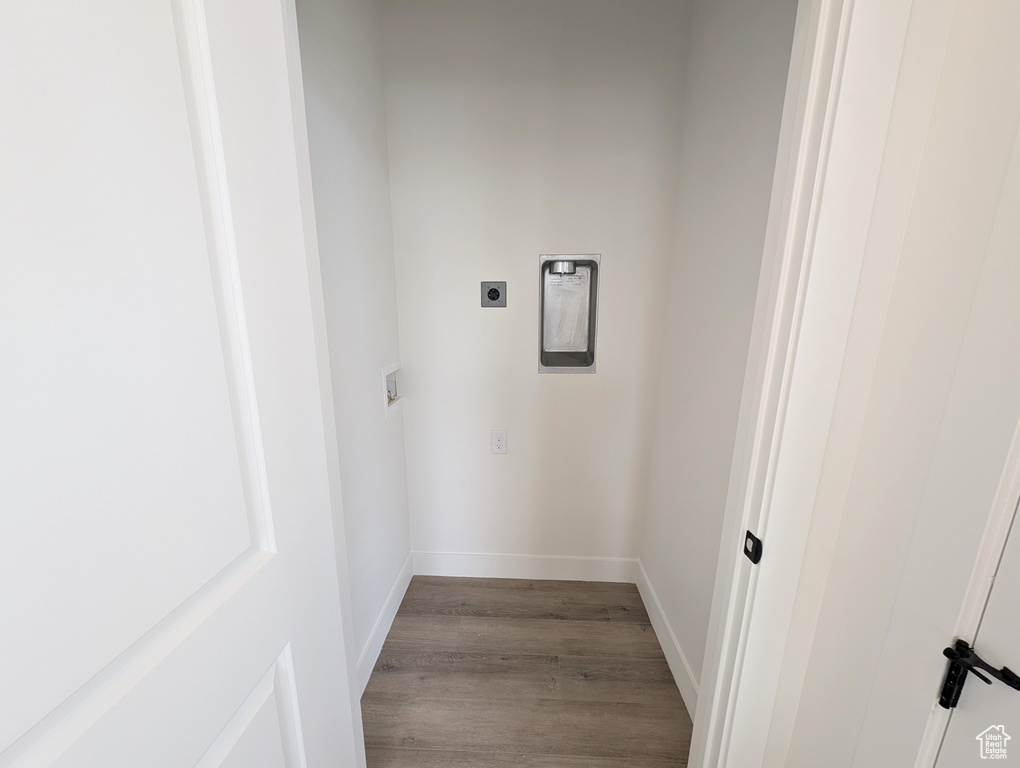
[[963, 659]]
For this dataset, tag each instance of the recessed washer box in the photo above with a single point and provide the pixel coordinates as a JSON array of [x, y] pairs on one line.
[[494, 293], [568, 312]]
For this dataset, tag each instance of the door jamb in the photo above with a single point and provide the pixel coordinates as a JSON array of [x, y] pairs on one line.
[[819, 47], [318, 311]]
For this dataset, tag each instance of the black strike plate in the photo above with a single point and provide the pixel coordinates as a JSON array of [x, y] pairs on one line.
[[752, 547], [963, 659]]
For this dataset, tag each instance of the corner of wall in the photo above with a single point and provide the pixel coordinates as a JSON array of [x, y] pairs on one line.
[[678, 665], [370, 653]]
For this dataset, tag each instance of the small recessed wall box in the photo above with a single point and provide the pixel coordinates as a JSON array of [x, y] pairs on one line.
[[568, 312], [493, 293], [391, 393]]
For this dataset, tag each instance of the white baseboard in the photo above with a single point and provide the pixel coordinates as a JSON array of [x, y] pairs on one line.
[[495, 566], [685, 679], [370, 653]]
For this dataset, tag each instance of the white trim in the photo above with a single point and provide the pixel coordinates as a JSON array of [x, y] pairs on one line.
[[210, 163], [49, 738], [288, 8], [277, 683], [820, 41], [979, 589], [508, 566], [370, 653], [682, 672]]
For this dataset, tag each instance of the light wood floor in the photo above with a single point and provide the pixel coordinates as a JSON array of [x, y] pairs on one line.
[[488, 673]]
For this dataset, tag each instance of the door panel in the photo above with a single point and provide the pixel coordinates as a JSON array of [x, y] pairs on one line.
[[166, 551], [119, 422], [962, 226], [968, 218], [995, 325], [936, 385], [263, 730], [979, 417]]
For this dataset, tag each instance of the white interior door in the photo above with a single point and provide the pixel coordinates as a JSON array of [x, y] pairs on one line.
[[987, 717], [939, 297], [168, 586]]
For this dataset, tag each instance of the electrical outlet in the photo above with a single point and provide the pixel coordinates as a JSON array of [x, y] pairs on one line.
[[494, 293], [498, 440]]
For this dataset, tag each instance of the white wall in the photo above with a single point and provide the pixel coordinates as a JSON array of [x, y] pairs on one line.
[[340, 58], [736, 78], [515, 129]]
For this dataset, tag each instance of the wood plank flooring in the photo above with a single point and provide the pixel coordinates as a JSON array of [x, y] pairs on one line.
[[489, 673]]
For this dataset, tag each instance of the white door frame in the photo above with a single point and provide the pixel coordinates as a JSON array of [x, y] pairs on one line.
[[801, 324], [317, 300], [814, 247], [805, 135]]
